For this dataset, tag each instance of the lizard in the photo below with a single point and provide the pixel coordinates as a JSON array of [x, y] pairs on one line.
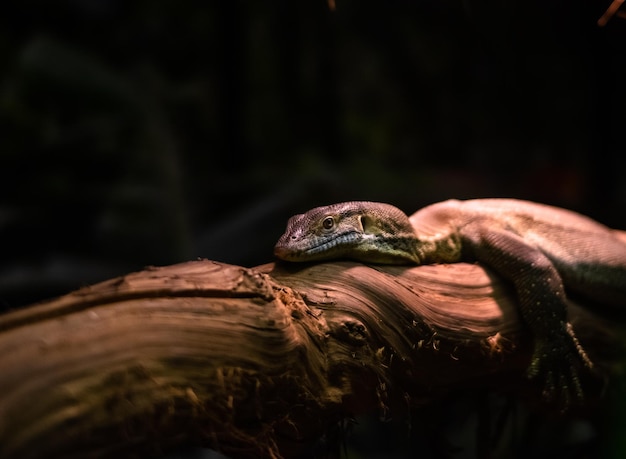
[[542, 250]]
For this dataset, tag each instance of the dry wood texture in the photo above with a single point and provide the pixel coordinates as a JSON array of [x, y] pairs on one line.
[[253, 362]]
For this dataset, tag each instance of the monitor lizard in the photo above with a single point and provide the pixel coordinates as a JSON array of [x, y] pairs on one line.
[[541, 249]]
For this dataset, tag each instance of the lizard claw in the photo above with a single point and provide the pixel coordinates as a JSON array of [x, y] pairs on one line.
[[558, 363]]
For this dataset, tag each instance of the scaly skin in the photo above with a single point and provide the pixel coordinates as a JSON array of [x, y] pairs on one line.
[[540, 249]]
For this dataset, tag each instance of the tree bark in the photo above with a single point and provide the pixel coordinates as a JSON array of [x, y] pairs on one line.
[[256, 362]]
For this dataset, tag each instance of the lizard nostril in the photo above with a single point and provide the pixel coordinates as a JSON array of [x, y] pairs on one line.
[[293, 238]]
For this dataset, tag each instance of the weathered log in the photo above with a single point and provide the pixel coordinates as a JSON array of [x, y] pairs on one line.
[[254, 362]]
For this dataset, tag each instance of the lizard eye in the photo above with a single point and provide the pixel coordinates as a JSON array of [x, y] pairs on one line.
[[328, 222]]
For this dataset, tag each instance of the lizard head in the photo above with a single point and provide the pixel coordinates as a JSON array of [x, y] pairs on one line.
[[359, 230]]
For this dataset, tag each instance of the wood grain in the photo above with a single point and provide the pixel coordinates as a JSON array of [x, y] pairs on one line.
[[255, 362]]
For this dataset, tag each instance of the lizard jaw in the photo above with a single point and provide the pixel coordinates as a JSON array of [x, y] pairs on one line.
[[325, 248], [353, 245]]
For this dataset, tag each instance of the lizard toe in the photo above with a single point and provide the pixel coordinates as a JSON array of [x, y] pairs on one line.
[[558, 374]]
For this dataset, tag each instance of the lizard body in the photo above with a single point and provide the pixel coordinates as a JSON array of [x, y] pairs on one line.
[[541, 249]]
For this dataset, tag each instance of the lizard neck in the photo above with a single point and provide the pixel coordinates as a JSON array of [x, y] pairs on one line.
[[438, 249], [412, 248]]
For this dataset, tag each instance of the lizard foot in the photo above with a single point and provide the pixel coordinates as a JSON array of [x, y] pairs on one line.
[[557, 362]]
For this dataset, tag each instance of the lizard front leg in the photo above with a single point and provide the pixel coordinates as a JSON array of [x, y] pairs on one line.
[[557, 356]]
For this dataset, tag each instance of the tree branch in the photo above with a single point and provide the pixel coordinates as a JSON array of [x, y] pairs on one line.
[[254, 362]]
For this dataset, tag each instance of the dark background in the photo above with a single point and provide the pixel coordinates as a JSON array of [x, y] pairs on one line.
[[142, 133], [138, 133]]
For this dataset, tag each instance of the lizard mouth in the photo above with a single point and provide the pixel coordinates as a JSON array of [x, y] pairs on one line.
[[339, 241], [319, 251]]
